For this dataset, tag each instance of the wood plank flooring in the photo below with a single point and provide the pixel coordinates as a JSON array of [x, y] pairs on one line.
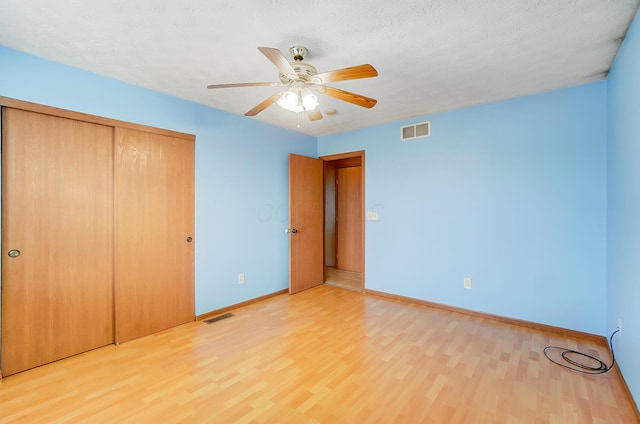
[[344, 279], [325, 355]]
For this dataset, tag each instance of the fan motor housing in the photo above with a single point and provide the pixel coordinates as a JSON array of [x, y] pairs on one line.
[[305, 72]]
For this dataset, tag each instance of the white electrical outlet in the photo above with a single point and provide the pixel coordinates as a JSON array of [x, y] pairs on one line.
[[241, 278], [466, 283], [619, 327]]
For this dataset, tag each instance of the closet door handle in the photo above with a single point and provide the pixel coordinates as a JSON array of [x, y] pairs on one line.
[[290, 231], [189, 239], [13, 253]]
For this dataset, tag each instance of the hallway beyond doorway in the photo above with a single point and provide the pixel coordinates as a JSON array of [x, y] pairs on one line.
[[343, 279]]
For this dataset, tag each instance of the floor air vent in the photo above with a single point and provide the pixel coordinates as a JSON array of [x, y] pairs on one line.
[[219, 318], [420, 130]]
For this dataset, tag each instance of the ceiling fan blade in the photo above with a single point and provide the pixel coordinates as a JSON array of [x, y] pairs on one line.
[[314, 115], [262, 106], [278, 59], [354, 72], [246, 84], [350, 97]]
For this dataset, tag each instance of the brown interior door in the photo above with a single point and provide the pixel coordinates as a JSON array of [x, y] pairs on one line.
[[306, 255], [349, 219], [57, 225], [154, 224]]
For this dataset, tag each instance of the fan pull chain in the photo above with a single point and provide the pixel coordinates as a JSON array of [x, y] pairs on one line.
[[300, 120]]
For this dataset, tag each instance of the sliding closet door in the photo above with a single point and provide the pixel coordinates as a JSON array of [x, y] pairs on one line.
[[154, 225], [57, 239]]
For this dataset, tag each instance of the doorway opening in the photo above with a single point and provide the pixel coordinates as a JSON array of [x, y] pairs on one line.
[[344, 220]]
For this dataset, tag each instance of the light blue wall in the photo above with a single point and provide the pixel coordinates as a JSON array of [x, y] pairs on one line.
[[511, 194], [623, 243], [241, 171]]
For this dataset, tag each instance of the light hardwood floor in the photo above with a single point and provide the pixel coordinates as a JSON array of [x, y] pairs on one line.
[[343, 279], [324, 355]]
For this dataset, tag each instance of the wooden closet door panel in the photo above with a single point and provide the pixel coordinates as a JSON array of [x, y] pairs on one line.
[[57, 209], [154, 217], [349, 219]]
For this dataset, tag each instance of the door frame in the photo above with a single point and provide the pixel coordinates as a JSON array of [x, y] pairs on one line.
[[360, 154]]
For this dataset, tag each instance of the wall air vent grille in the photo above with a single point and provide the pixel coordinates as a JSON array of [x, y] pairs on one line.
[[420, 130]]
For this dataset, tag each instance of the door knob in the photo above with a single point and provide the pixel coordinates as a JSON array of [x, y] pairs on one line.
[[290, 231], [14, 253]]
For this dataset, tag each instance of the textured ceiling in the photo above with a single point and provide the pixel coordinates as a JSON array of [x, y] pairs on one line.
[[431, 55]]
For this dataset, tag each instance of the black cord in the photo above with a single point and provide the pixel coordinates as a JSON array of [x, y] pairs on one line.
[[566, 354]]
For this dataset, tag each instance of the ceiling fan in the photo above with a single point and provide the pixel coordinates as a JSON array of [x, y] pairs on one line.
[[303, 80]]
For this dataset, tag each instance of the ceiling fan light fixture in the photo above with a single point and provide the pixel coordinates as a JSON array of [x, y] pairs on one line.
[[290, 100], [309, 100], [304, 84], [297, 99]]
